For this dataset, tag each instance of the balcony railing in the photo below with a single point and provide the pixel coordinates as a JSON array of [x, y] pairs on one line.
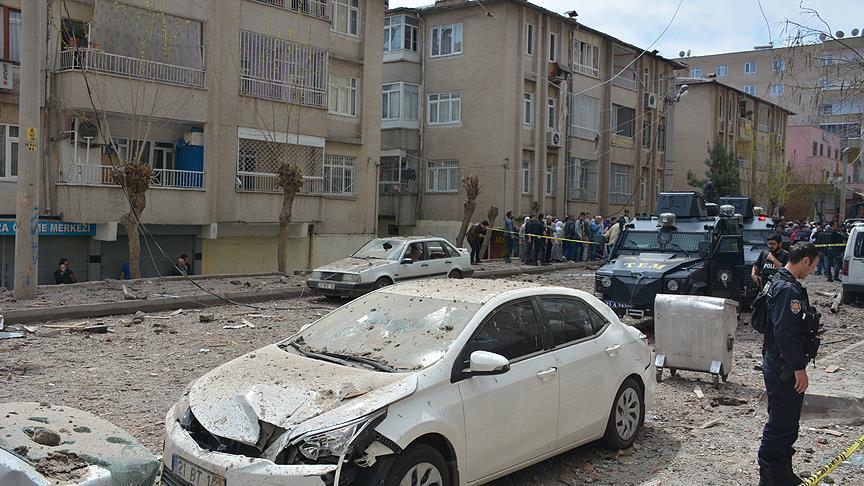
[[100, 175], [115, 64], [269, 183], [309, 7], [397, 187], [626, 79], [745, 129]]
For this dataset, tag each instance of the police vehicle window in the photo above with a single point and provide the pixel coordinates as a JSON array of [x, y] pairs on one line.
[[568, 320], [858, 251], [511, 332], [679, 241], [436, 250], [756, 237], [727, 245], [598, 322]]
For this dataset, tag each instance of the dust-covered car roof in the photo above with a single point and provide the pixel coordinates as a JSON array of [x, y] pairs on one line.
[[476, 291]]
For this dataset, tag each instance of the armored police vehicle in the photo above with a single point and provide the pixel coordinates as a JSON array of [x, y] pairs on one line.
[[755, 230], [675, 253]]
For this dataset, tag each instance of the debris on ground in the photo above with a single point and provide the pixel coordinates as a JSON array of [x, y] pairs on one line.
[[699, 393], [62, 466], [206, 317], [727, 401], [45, 437], [10, 335]]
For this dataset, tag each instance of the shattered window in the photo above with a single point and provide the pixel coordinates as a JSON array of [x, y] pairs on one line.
[[568, 320], [381, 248], [679, 241], [399, 331], [511, 332]]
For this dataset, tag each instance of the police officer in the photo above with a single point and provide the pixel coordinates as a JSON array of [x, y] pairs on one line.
[[769, 261], [790, 343]]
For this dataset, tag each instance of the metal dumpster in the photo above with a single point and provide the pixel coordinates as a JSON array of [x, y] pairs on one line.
[[694, 333]]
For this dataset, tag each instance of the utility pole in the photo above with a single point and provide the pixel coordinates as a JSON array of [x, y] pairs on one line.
[[26, 208]]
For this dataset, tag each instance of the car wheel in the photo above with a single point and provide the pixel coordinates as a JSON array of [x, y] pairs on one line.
[[455, 273], [381, 283], [419, 465], [627, 416]]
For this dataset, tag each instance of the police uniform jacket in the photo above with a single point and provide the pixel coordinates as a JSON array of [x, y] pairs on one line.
[[786, 339]]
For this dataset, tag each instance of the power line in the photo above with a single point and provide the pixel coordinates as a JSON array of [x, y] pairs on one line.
[[768, 25]]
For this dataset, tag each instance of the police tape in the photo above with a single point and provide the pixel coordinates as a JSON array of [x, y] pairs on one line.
[[547, 237], [825, 245], [827, 469]]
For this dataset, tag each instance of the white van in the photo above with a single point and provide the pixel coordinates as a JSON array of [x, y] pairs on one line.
[[853, 265]]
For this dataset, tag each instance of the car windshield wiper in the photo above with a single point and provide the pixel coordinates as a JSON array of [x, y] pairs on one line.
[[342, 359], [679, 248]]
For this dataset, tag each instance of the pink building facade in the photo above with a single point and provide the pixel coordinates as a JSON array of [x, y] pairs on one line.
[[814, 154]]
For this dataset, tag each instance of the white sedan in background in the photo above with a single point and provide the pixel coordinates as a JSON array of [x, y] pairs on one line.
[[425, 383], [385, 261]]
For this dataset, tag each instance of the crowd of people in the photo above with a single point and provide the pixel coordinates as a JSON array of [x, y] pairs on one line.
[[822, 235]]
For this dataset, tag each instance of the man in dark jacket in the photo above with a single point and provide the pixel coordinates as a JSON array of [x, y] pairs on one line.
[[475, 237], [510, 235], [824, 239], [538, 245]]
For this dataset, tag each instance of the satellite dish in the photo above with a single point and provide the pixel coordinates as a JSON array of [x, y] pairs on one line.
[[839, 34], [688, 52], [822, 37], [854, 32], [681, 54]]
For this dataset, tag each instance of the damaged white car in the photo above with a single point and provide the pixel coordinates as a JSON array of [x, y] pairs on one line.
[[424, 383]]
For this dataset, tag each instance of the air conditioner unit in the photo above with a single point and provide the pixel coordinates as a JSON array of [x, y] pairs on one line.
[[650, 101], [553, 138], [84, 130]]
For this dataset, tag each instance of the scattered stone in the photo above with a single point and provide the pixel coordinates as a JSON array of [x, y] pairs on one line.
[[832, 369], [710, 423], [821, 440], [698, 392], [206, 317], [45, 437], [21, 451], [62, 466], [728, 401]]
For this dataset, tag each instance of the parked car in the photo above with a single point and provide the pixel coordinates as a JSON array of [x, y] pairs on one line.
[[852, 277], [384, 261], [440, 382]]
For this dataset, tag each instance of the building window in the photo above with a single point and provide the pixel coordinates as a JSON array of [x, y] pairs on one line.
[[301, 75], [8, 151], [721, 107], [837, 154], [553, 46], [643, 190], [779, 65], [400, 101], [442, 176], [550, 180], [821, 150], [344, 16], [777, 89], [750, 67], [400, 32], [722, 70], [445, 108], [11, 35], [622, 120], [586, 58], [343, 95], [529, 39], [696, 73], [815, 148], [551, 114], [339, 174], [584, 116], [582, 181], [528, 108], [661, 135], [527, 176], [620, 176], [446, 40], [750, 89], [646, 133]]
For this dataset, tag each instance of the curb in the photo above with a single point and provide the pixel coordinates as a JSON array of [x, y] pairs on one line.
[[198, 301]]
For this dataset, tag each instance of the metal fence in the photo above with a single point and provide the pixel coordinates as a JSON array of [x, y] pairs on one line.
[[105, 62], [258, 165], [397, 176], [309, 7], [282, 70], [99, 175]]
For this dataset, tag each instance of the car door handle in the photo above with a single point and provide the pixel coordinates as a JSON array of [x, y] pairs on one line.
[[424, 265], [613, 350], [547, 375], [448, 261]]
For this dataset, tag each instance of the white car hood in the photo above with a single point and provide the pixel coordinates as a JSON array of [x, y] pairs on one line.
[[353, 265], [281, 388]]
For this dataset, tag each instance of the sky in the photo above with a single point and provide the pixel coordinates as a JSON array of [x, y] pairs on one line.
[[702, 26]]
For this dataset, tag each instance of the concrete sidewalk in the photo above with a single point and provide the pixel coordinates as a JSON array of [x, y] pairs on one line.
[[489, 269]]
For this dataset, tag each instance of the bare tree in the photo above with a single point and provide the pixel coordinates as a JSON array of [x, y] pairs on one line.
[[291, 181], [471, 184], [491, 216]]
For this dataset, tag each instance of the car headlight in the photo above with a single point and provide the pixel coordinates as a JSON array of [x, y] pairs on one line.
[[725, 276], [350, 277], [606, 282], [315, 275], [183, 412], [336, 441], [672, 285]]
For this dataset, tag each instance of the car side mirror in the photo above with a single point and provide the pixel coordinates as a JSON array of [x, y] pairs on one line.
[[407, 261], [484, 363]]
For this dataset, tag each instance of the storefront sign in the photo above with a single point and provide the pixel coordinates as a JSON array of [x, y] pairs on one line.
[[6, 81], [52, 228]]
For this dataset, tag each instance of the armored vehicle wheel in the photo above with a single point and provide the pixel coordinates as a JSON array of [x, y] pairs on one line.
[[673, 371], [659, 375]]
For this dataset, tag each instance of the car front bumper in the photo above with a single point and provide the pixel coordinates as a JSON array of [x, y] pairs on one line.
[[235, 469], [339, 289]]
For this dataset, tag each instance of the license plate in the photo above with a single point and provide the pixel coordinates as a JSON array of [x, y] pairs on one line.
[[193, 474], [328, 286], [617, 305]]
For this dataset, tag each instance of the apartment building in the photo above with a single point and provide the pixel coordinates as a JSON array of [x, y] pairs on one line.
[[815, 157], [820, 82], [553, 116], [214, 96], [752, 128]]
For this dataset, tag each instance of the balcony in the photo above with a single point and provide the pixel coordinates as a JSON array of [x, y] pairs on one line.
[[269, 183], [309, 7], [745, 130], [397, 188], [627, 80], [100, 175], [622, 141], [95, 60]]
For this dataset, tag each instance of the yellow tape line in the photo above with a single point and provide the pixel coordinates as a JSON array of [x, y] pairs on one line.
[[547, 237], [825, 470], [829, 244]]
